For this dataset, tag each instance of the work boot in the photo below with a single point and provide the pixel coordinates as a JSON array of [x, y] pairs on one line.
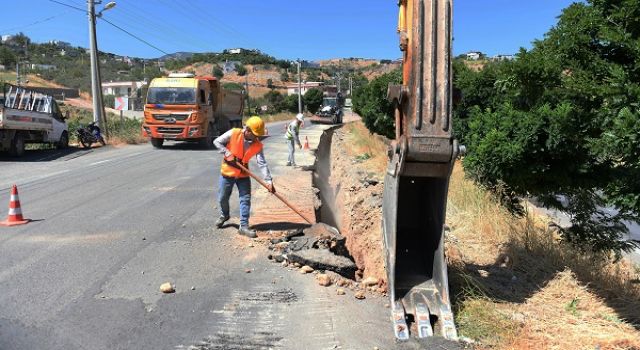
[[221, 220], [288, 163], [245, 231]]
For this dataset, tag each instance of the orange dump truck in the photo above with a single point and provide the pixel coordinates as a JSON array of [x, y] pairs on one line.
[[184, 107]]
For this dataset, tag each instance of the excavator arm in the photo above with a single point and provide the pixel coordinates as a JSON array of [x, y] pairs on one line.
[[417, 179]]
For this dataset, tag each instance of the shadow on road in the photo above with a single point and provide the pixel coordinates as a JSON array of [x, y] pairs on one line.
[[48, 155], [183, 146]]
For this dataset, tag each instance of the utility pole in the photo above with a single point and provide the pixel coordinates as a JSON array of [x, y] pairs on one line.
[[246, 89], [18, 72], [96, 88], [299, 88], [350, 86]]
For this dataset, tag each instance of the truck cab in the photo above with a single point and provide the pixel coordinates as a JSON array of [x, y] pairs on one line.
[[184, 107]]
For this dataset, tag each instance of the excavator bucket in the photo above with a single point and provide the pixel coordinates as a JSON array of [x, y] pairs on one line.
[[417, 179]]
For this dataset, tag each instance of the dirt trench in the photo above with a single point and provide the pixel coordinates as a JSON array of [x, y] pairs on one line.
[[351, 201]]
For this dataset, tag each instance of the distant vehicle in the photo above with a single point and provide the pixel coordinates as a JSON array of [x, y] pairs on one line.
[[184, 107], [348, 103], [331, 109], [28, 116]]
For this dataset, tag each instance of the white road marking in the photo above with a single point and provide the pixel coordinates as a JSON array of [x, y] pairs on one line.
[[100, 162]]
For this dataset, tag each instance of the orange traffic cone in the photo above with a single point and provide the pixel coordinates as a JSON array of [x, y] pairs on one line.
[[306, 143], [15, 213]]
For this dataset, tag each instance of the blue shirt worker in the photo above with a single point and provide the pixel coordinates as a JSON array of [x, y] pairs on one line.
[[239, 146], [293, 137]]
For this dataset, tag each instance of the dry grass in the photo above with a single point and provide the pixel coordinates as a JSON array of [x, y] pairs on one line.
[[368, 148], [554, 296]]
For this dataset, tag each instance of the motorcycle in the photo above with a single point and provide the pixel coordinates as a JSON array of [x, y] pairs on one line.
[[87, 135]]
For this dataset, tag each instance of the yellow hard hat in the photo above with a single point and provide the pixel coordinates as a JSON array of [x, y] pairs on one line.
[[256, 125]]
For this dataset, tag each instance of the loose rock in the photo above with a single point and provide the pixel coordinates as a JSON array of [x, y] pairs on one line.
[[359, 295], [167, 288], [370, 281], [323, 280], [306, 269], [340, 291]]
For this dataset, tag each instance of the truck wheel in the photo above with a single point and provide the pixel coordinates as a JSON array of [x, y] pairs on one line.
[[207, 142], [63, 142], [17, 146], [157, 143]]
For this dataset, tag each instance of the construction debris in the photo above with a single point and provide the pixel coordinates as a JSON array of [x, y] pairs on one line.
[[167, 288], [319, 247]]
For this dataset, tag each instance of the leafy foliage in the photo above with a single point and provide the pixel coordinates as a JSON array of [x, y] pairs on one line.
[[241, 69], [313, 99], [370, 101], [562, 121], [217, 72]]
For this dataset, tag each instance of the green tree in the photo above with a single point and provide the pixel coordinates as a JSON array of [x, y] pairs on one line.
[[7, 57], [371, 103], [217, 72], [270, 83], [241, 69], [290, 104], [313, 99], [562, 122]]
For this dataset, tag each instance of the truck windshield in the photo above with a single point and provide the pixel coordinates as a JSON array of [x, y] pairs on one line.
[[329, 102], [171, 96]]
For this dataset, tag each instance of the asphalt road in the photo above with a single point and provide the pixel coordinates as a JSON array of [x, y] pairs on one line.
[[112, 224]]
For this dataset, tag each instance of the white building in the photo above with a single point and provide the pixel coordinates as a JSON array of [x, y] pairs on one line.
[[235, 51], [504, 57], [43, 66], [121, 88], [6, 38], [292, 89], [474, 55]]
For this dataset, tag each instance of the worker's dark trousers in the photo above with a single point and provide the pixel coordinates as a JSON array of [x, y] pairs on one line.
[[244, 191]]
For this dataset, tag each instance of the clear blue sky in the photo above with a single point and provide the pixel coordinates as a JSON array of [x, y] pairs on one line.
[[284, 28]]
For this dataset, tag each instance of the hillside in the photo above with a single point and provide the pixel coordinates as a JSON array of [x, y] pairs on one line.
[[59, 64]]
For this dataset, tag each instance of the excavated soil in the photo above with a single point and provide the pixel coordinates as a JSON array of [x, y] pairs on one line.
[[351, 197]]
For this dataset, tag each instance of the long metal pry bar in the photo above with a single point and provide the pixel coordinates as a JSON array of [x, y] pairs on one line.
[[417, 178]]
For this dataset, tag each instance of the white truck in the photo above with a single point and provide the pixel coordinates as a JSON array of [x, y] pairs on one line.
[[28, 116]]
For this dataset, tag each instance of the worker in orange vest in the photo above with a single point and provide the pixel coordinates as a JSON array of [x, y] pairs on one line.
[[239, 146]]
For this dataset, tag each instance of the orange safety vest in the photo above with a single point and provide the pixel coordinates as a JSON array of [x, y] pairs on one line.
[[236, 147]]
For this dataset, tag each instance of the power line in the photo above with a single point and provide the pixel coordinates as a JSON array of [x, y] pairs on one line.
[[34, 23], [67, 5], [134, 36], [114, 25]]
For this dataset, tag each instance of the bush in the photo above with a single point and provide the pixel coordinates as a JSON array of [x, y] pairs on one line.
[[217, 72], [241, 69], [370, 101], [313, 99], [109, 100], [290, 104]]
